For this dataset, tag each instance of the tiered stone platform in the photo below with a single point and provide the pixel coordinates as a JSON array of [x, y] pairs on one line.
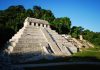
[[37, 41]]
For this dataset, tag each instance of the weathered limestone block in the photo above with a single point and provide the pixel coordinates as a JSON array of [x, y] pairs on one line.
[[45, 50], [91, 45], [37, 41], [78, 43], [71, 47], [81, 37], [41, 25], [52, 44], [9, 49]]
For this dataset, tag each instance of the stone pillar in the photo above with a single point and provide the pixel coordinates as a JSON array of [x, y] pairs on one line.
[[81, 37], [32, 24], [41, 25], [36, 24], [44, 25]]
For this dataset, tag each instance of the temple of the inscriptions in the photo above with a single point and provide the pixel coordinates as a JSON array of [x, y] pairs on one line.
[[36, 40]]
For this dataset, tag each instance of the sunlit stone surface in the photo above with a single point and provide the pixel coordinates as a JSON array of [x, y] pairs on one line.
[[37, 41]]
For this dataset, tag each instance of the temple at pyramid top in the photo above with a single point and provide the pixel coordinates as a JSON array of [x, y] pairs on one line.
[[36, 41], [36, 22]]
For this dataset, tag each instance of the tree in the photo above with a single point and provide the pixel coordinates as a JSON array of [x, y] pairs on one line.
[[93, 37], [43, 14], [29, 13], [62, 24], [37, 12], [76, 31], [15, 16]]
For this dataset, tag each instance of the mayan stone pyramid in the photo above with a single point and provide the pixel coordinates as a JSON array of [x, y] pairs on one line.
[[36, 40]]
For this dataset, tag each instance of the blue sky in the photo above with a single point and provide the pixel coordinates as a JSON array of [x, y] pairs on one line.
[[85, 13]]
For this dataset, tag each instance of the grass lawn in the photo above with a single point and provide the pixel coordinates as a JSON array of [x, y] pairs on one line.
[[91, 52], [87, 55]]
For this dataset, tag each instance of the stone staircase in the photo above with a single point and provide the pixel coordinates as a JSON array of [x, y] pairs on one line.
[[60, 42], [29, 45], [51, 42], [37, 41]]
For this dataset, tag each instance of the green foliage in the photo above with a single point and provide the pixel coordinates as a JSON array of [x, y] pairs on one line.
[[12, 18], [62, 25], [37, 12], [43, 14], [76, 31], [5, 34], [93, 37], [29, 13], [91, 52]]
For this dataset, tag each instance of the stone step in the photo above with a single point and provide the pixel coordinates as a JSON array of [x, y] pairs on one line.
[[71, 47], [60, 41], [25, 57], [52, 44], [27, 48]]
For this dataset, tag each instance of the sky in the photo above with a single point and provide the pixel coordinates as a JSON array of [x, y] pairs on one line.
[[85, 13]]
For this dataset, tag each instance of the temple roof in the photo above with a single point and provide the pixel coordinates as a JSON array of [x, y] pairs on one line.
[[34, 20]]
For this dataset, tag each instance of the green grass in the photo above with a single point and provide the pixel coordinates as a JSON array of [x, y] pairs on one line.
[[91, 52], [87, 55]]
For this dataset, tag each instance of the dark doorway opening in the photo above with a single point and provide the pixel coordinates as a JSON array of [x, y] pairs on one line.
[[30, 23], [38, 24], [43, 25], [34, 24], [46, 25]]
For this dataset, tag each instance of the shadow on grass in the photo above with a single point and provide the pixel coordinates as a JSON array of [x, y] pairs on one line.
[[55, 60], [67, 66], [66, 59], [41, 58]]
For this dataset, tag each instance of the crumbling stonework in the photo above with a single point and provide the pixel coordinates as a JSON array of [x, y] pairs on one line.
[[37, 41]]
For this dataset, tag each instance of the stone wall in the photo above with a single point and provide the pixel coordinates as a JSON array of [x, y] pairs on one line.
[[36, 40]]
